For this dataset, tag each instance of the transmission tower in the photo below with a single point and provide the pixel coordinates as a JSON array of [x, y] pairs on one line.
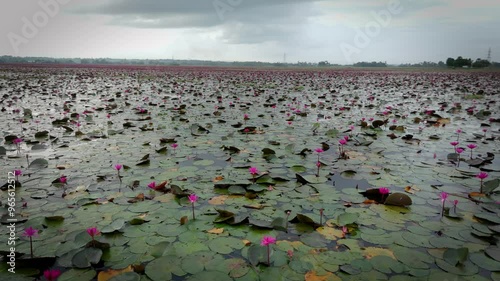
[[489, 55]]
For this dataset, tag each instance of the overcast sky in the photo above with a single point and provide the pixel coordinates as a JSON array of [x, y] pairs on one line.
[[253, 30]]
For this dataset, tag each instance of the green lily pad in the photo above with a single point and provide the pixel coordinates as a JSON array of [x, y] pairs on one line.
[[466, 269], [306, 220], [256, 188], [456, 256], [39, 164], [412, 258], [127, 276], [163, 268], [347, 218], [225, 245], [236, 190], [257, 254], [493, 252], [491, 185], [386, 264], [209, 275], [199, 262], [116, 225], [235, 267], [483, 261], [77, 274], [87, 257]]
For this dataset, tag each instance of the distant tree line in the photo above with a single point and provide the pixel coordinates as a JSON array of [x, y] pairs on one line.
[[158, 62], [463, 62], [370, 64], [450, 62], [424, 64]]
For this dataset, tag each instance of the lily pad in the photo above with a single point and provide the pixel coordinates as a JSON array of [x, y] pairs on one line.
[[163, 268], [398, 199], [39, 164], [87, 257]]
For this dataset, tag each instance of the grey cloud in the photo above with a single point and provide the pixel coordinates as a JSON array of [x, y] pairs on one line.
[[194, 13], [243, 22]]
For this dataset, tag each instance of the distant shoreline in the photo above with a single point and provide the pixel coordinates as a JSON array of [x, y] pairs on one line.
[[275, 68]]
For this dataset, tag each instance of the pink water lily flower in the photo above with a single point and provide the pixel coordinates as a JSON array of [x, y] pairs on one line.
[[118, 167], [193, 198], [443, 195], [30, 232], [17, 173], [482, 175], [383, 190], [318, 150], [345, 231], [267, 240], [454, 143], [63, 179], [253, 171], [342, 141], [152, 185], [93, 231], [51, 274], [471, 146]]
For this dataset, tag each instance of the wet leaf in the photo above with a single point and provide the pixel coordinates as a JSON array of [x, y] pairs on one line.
[[216, 230], [491, 185], [110, 273], [86, 257], [39, 164], [398, 199], [347, 218], [456, 256], [162, 269]]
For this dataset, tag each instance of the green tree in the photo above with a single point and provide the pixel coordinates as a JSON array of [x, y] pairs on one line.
[[481, 63], [450, 62]]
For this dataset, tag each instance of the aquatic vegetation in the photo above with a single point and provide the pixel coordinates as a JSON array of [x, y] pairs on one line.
[[342, 168]]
